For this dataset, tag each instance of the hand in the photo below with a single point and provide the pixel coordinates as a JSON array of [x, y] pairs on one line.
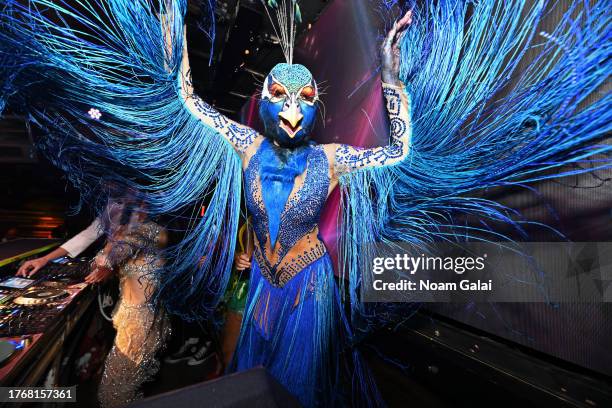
[[242, 261], [29, 268], [390, 51], [99, 274], [100, 269], [100, 260]]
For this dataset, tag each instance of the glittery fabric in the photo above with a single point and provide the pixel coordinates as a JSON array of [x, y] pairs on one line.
[[141, 328], [293, 305], [137, 245], [307, 250], [299, 218], [141, 333], [294, 330]]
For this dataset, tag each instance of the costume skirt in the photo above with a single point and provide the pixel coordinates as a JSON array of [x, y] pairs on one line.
[[293, 332]]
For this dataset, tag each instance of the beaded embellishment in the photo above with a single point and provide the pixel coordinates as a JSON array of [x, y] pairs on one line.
[[349, 158], [299, 220]]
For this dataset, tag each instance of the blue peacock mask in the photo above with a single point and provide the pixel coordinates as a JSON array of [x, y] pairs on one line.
[[288, 106]]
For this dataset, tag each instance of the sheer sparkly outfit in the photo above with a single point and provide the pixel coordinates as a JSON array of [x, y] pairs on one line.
[[141, 328]]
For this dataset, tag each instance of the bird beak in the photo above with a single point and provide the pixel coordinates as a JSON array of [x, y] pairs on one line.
[[291, 119]]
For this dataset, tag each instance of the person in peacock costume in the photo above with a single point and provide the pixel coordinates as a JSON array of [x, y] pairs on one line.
[[452, 134]]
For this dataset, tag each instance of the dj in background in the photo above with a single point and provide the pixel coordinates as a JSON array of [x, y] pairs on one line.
[[132, 252]]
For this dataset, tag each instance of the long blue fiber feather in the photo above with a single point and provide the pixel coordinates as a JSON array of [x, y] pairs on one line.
[[108, 55], [496, 102]]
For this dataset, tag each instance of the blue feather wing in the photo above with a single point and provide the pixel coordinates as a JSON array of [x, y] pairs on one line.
[[496, 102], [108, 57]]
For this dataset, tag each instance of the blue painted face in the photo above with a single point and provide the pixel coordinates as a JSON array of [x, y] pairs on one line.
[[288, 106]]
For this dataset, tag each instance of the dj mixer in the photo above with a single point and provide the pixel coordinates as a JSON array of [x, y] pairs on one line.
[[39, 315], [33, 306]]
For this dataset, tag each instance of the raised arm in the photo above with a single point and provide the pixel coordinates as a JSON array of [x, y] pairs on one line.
[[238, 135], [348, 158]]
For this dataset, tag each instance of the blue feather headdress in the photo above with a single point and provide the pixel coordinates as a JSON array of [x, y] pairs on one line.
[[288, 15]]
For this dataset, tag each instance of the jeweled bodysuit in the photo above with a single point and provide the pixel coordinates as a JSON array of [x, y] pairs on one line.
[[297, 244], [293, 302]]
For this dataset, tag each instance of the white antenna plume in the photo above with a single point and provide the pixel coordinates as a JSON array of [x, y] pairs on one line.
[[285, 26]]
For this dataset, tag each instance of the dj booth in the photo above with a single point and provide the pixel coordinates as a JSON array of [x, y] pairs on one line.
[[38, 315]]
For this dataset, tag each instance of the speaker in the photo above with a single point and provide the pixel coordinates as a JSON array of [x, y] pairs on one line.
[[250, 389]]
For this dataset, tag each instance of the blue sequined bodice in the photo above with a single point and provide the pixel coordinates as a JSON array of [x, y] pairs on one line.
[[298, 221]]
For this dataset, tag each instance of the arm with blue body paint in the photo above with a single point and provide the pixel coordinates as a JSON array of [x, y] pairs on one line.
[[238, 135], [348, 158]]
